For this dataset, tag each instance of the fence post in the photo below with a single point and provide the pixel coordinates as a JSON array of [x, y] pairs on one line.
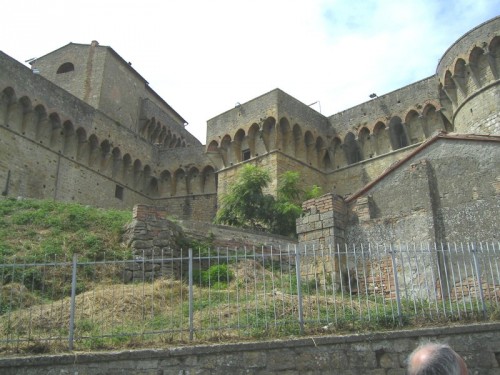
[[190, 273], [479, 283], [396, 284], [299, 289], [72, 305]]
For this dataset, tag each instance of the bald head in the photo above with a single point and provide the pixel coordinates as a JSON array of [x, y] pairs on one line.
[[436, 359]]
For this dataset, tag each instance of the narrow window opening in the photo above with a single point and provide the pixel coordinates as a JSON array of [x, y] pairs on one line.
[[246, 154], [119, 192]]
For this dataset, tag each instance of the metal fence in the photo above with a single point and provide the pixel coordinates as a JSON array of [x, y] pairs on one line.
[[225, 294]]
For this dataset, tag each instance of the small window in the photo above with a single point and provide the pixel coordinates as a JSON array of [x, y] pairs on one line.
[[119, 192], [65, 68], [246, 154]]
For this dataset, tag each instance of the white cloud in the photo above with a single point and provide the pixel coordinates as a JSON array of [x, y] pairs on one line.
[[204, 56]]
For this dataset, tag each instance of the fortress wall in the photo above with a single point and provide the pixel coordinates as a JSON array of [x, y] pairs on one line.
[[275, 104], [347, 180], [275, 163], [38, 172], [150, 109], [191, 207], [481, 33], [480, 115], [83, 81], [447, 192], [395, 103], [242, 116]]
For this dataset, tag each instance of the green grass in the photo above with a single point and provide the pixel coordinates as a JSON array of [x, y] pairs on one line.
[[39, 230]]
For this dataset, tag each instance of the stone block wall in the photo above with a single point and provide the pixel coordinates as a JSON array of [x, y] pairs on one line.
[[382, 353], [323, 221]]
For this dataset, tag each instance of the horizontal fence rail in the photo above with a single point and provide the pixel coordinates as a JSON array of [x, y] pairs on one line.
[[226, 294]]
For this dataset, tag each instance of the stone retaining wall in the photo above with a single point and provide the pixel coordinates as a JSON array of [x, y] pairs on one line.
[[382, 353]]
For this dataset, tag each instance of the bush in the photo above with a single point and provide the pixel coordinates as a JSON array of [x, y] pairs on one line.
[[218, 274]]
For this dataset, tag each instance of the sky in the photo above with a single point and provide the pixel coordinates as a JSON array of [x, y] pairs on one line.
[[204, 56]]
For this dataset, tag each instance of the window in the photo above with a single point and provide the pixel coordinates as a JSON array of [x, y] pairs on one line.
[[246, 154], [65, 68], [119, 192]]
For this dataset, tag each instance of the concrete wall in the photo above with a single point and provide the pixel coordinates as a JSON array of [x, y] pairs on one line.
[[382, 353]]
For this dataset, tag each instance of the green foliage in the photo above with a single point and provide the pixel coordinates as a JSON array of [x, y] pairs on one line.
[[246, 206], [313, 192], [217, 276]]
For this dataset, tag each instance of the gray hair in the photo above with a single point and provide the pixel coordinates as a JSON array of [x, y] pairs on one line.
[[440, 360]]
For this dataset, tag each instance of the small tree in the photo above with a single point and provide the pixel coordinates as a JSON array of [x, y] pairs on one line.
[[246, 206]]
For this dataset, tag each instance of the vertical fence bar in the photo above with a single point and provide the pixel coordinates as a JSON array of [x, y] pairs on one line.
[[299, 290], [396, 285], [479, 283], [190, 276], [72, 306]]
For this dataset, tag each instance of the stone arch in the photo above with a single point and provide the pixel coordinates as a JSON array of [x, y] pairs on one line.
[[225, 150], [213, 147], [70, 140], [209, 180], [137, 174], [161, 136], [398, 136], [269, 133], [460, 76], [382, 140], [56, 137], [145, 179], [194, 181], [25, 108], [106, 156], [180, 187], [153, 137], [239, 144], [415, 127], [7, 98], [173, 141], [168, 138], [117, 161], [127, 169], [494, 56], [39, 128], [94, 152], [433, 120], [450, 88], [298, 142], [150, 129], [310, 146], [285, 137], [82, 147], [165, 188], [16, 111], [253, 135], [479, 66], [365, 143], [337, 149], [351, 149], [322, 154], [153, 189]]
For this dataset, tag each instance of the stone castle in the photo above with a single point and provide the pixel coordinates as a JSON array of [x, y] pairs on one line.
[[419, 163]]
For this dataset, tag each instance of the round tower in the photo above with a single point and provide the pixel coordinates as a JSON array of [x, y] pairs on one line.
[[469, 80]]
